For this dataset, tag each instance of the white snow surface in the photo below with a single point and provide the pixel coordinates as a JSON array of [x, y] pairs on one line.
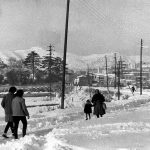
[[126, 125]]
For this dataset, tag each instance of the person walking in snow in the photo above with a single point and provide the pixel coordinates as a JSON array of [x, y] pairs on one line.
[[19, 113], [133, 89], [7, 105], [88, 109], [98, 101]]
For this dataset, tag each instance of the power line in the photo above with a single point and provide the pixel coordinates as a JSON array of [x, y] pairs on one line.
[[93, 11]]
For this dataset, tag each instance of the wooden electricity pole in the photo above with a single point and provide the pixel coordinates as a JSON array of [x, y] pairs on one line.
[[33, 66], [89, 80], [64, 57], [118, 80], [141, 67], [121, 67], [115, 71], [106, 74], [121, 70], [50, 67]]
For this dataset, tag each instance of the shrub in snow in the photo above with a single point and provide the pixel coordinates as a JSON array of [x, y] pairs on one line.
[[105, 92], [89, 90], [108, 98], [40, 111], [108, 95], [46, 98], [125, 97], [116, 94], [45, 109]]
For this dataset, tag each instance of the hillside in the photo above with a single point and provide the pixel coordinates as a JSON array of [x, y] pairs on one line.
[[76, 62]]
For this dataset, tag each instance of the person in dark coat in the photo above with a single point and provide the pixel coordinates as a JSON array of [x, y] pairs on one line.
[[133, 89], [88, 109], [98, 101], [7, 105]]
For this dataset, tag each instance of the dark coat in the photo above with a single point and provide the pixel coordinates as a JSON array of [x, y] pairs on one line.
[[98, 101], [133, 89], [88, 108], [7, 105]]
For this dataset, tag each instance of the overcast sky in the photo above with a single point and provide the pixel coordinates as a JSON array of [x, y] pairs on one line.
[[95, 26]]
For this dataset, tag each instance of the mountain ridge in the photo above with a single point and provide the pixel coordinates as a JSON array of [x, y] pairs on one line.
[[76, 62]]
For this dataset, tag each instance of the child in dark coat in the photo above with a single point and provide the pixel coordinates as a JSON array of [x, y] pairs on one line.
[[88, 109]]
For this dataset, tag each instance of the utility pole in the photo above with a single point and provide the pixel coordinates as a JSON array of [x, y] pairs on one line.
[[121, 70], [107, 74], [115, 71], [49, 67], [141, 67], [20, 68], [118, 80], [88, 76], [64, 57], [33, 62]]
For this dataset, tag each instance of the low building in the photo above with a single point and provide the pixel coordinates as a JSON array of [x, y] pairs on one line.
[[101, 79], [129, 76], [69, 77], [83, 80]]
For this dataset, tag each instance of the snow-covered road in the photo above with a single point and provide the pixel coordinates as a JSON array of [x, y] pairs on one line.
[[126, 126], [126, 129]]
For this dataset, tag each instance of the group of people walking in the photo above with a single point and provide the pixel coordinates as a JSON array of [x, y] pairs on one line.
[[15, 111], [98, 103]]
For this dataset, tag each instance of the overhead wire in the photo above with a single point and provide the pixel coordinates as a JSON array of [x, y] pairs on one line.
[[84, 7], [95, 14]]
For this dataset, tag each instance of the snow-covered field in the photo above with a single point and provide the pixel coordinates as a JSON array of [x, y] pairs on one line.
[[126, 126]]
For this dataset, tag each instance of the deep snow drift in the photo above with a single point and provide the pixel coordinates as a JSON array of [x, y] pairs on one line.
[[61, 129]]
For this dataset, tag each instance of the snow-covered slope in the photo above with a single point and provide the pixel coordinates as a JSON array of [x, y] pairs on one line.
[[21, 54], [74, 61], [126, 126]]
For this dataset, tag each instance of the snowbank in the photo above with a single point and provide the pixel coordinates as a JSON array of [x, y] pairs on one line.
[[44, 118], [32, 142]]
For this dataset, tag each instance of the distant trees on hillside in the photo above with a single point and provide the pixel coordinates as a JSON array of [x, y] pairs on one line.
[[16, 72], [32, 62], [32, 69]]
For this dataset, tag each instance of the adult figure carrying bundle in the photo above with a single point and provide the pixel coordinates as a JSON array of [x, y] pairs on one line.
[[98, 101]]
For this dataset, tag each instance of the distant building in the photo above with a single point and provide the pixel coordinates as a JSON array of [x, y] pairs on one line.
[[81, 72], [144, 81], [69, 77], [83, 80], [101, 79], [129, 76]]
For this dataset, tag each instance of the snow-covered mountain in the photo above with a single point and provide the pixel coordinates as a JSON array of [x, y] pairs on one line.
[[21, 54], [74, 61]]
